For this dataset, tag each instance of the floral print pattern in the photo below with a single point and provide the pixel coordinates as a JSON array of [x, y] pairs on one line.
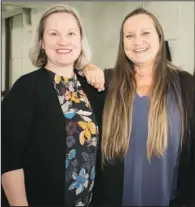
[[81, 141]]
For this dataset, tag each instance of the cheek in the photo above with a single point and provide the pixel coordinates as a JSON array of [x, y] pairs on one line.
[[155, 49], [76, 41], [155, 44], [77, 45], [128, 49], [49, 44], [127, 46]]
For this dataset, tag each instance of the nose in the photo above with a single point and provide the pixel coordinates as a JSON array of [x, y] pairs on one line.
[[138, 40], [63, 39]]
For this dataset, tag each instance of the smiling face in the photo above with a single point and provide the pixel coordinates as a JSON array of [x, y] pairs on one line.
[[61, 40], [141, 41]]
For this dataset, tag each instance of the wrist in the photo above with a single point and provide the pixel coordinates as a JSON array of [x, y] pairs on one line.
[[19, 202]]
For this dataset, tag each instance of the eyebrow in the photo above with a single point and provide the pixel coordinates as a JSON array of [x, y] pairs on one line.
[[141, 30], [52, 29], [73, 29]]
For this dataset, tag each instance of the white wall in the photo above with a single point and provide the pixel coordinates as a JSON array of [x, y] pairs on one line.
[[16, 50], [102, 22], [177, 20], [107, 29]]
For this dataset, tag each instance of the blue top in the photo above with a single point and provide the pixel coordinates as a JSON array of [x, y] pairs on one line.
[[148, 184]]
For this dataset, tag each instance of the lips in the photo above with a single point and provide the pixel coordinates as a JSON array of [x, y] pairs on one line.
[[140, 50], [64, 51]]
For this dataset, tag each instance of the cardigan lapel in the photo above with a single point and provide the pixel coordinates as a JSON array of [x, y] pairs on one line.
[[50, 98]]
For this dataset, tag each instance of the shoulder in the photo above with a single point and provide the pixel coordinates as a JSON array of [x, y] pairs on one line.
[[24, 86], [186, 83], [186, 79], [29, 78], [108, 72], [187, 89]]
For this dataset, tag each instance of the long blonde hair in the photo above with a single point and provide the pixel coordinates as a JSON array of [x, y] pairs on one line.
[[38, 57], [117, 116]]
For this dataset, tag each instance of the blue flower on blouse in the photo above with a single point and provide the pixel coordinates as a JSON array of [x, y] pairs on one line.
[[92, 174], [67, 163], [72, 154], [92, 177], [81, 181], [70, 114]]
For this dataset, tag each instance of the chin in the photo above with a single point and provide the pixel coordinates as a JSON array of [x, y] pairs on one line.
[[143, 60], [66, 62]]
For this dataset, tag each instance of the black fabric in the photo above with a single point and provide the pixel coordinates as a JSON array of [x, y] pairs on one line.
[[33, 131]]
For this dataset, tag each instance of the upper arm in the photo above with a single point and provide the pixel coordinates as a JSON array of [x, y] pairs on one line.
[[17, 117], [188, 100]]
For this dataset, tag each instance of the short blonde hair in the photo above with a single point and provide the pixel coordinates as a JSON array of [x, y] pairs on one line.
[[36, 55]]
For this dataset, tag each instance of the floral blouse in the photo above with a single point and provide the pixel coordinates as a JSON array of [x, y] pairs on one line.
[[81, 141]]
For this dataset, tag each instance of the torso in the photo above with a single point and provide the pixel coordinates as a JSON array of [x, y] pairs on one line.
[[81, 141], [148, 184]]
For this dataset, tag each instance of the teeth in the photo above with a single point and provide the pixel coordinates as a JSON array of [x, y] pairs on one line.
[[63, 51], [140, 50]]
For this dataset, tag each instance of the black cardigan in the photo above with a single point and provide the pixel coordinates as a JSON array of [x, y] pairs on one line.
[[109, 182], [33, 131]]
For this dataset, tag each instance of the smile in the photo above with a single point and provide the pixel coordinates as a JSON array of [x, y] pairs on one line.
[[140, 50], [64, 51]]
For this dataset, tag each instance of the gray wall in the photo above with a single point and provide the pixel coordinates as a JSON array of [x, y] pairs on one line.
[[102, 22]]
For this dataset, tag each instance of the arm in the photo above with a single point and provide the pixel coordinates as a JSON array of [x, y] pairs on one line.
[[96, 76], [14, 188], [188, 99], [17, 117]]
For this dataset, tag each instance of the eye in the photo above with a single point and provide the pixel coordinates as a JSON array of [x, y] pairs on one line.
[[53, 33], [72, 33], [129, 36], [146, 33]]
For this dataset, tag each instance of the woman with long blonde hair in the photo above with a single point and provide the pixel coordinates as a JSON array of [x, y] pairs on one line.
[[148, 121]]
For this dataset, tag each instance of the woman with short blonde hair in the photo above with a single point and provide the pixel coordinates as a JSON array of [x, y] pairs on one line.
[[36, 54], [50, 131]]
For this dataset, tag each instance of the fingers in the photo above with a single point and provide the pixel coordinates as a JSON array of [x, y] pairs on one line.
[[97, 83], [87, 76], [99, 87], [100, 84], [94, 76], [93, 79]]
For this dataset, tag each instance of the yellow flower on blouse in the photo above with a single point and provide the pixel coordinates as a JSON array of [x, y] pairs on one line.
[[89, 129], [75, 97]]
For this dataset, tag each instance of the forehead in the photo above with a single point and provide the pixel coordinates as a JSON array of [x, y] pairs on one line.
[[138, 22], [61, 19]]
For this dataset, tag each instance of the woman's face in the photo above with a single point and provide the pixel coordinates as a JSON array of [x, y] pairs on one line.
[[141, 41], [61, 40]]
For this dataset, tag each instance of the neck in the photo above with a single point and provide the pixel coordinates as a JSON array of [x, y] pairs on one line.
[[144, 71], [65, 71]]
